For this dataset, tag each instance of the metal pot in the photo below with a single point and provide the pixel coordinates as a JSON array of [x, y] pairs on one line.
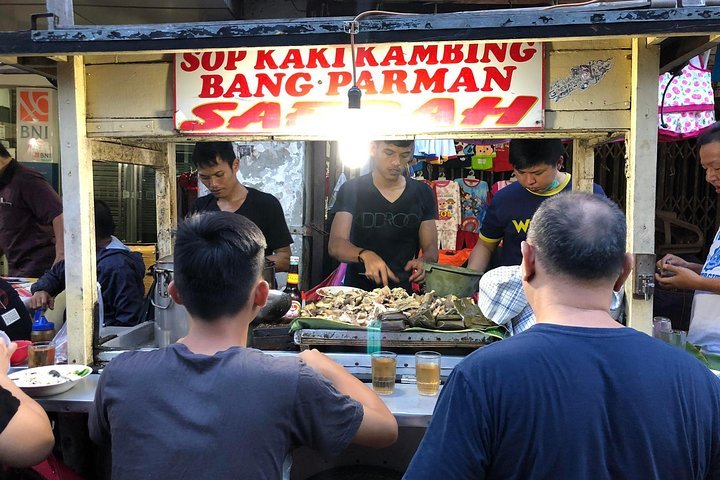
[[171, 319]]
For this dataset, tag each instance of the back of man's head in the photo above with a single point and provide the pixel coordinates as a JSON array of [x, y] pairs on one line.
[[208, 154], [4, 151], [712, 135], [579, 236], [530, 152], [218, 260], [104, 224]]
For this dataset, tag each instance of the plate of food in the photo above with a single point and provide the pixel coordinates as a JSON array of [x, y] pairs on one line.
[[49, 380], [332, 291]]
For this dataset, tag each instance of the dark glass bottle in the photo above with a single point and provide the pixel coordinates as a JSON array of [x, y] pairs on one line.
[[292, 288]]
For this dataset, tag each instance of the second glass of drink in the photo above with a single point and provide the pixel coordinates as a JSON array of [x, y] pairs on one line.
[[384, 365], [427, 372]]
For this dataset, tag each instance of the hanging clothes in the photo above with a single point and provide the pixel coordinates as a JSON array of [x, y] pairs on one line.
[[473, 201], [447, 193], [686, 102]]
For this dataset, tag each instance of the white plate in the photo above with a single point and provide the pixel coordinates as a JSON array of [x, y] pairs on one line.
[[38, 382], [716, 372], [330, 291]]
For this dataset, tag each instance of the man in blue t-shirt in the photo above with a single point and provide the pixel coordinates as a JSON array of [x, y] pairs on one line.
[[537, 164], [207, 407], [383, 220], [577, 396]]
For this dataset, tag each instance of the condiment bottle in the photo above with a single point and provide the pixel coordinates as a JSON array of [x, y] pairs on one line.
[[292, 288], [42, 330]]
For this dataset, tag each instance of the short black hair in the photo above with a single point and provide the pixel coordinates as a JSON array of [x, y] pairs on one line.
[[104, 224], [711, 135], [579, 235], [4, 151], [398, 143], [219, 257], [531, 152], [206, 154]]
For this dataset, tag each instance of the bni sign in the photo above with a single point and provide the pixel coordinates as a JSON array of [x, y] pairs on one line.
[[37, 134]]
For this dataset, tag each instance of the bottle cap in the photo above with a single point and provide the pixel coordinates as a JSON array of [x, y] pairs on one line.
[[42, 325]]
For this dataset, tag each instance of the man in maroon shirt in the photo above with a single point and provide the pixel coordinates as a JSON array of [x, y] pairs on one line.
[[31, 220]]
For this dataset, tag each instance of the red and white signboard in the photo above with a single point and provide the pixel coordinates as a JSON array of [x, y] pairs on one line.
[[408, 88], [37, 136]]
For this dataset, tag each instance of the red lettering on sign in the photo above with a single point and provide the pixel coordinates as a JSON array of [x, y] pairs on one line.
[[292, 58], [394, 81], [521, 55], [300, 109], [238, 88], [235, 56], [211, 86], [295, 90], [497, 50], [317, 58], [265, 60], [265, 113], [339, 58], [273, 87], [434, 83], [465, 80], [364, 56], [440, 110], [212, 61], [208, 118], [190, 62], [337, 80], [424, 53], [452, 54], [365, 83], [493, 74], [488, 106], [395, 56]]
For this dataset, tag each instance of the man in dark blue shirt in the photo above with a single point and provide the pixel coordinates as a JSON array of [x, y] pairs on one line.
[[537, 164], [120, 273], [577, 396]]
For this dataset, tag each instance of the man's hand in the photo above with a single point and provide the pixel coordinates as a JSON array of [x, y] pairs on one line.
[[671, 259], [680, 277], [416, 267], [6, 352], [376, 269], [41, 299]]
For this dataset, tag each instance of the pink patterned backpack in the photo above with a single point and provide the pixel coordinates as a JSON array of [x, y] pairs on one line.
[[688, 106]]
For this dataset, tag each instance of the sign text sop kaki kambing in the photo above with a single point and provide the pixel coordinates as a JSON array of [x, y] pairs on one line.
[[266, 89]]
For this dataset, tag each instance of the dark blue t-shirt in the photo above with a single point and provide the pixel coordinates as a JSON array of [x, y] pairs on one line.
[[508, 217], [559, 402], [390, 229], [171, 413]]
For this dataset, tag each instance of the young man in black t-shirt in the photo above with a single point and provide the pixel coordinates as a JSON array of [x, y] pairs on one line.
[[217, 169], [382, 222]]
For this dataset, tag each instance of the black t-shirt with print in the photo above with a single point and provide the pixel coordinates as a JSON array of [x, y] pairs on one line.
[[389, 229], [262, 209]]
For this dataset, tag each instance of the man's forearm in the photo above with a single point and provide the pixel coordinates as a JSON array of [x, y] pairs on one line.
[[479, 258], [344, 250], [57, 226]]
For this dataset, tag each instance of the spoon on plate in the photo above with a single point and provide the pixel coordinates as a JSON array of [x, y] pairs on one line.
[[57, 374]]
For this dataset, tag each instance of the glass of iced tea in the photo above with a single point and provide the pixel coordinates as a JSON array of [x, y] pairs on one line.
[[427, 372], [41, 354], [384, 365]]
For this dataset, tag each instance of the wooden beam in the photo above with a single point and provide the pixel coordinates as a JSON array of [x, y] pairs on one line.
[[675, 52], [122, 153], [166, 202], [641, 171], [655, 40], [583, 171], [78, 210]]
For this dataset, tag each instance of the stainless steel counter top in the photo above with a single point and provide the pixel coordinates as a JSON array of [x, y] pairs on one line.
[[409, 407]]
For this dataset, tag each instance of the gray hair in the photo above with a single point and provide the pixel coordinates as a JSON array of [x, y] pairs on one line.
[[579, 235]]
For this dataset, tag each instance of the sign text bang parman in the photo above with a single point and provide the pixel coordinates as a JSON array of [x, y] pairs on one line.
[[413, 88]]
